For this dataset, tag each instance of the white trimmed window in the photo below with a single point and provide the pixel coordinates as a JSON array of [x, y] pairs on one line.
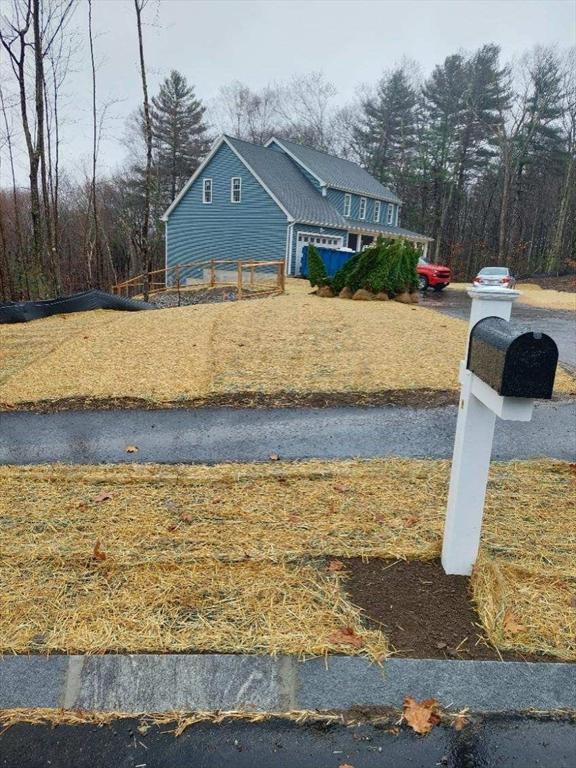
[[362, 212], [207, 191], [390, 214], [235, 189], [376, 211], [347, 204]]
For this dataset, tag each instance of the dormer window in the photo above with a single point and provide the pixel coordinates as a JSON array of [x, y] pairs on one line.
[[376, 211], [207, 191], [347, 204], [236, 189], [390, 214], [362, 213]]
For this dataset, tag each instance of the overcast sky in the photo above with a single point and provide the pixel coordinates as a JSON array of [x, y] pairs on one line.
[[213, 42]]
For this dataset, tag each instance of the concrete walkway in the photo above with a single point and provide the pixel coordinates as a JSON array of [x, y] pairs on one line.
[[212, 435]]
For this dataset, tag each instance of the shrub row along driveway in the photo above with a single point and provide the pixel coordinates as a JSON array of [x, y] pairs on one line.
[[270, 350]]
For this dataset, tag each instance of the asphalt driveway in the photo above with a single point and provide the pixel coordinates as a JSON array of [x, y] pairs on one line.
[[212, 435], [559, 324], [499, 741]]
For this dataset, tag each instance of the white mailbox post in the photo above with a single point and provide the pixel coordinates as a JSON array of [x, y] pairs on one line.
[[479, 406]]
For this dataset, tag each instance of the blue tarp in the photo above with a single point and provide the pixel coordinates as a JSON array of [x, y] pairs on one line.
[[333, 260]]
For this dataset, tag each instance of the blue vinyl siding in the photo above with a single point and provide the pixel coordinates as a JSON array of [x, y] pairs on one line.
[[254, 228], [336, 198], [308, 228]]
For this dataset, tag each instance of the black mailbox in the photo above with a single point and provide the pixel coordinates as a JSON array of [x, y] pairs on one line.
[[512, 359]]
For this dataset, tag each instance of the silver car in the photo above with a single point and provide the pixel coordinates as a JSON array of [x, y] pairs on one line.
[[497, 277]]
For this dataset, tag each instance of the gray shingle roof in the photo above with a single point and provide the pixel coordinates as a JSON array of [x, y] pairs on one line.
[[338, 173], [300, 198]]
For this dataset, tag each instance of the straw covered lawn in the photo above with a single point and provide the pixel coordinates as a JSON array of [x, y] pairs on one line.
[[243, 558], [295, 343], [544, 297], [535, 295]]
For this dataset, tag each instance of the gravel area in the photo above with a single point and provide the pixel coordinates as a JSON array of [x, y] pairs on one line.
[[202, 296]]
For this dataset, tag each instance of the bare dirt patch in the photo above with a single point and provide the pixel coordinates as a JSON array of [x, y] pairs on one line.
[[419, 398], [424, 613]]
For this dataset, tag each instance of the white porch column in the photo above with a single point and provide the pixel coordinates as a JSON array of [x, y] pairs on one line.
[[425, 249], [472, 449]]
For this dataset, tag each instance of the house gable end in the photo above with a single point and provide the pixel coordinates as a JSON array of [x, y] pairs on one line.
[[203, 170], [198, 230]]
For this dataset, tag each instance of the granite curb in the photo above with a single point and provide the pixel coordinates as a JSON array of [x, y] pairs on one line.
[[160, 683]]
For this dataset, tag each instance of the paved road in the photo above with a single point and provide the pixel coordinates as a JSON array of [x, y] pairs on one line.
[[213, 435], [559, 324], [506, 742]]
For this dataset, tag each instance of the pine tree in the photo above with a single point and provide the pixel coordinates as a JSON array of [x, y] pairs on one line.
[[180, 133], [386, 136]]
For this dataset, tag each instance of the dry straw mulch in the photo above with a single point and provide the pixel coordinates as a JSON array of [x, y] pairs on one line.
[[154, 558], [535, 295], [296, 343], [546, 298]]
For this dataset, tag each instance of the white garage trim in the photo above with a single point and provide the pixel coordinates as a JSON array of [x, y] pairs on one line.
[[314, 238]]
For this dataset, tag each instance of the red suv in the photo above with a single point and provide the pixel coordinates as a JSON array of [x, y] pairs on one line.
[[432, 275]]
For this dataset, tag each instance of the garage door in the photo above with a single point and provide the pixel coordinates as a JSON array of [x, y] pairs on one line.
[[324, 241]]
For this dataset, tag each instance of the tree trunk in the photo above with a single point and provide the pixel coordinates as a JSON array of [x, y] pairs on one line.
[[554, 261], [40, 144], [144, 243], [505, 201]]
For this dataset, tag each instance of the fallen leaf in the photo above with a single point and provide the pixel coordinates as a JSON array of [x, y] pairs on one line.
[[511, 625], [410, 521], [274, 457], [144, 728], [97, 553], [104, 496], [341, 488], [421, 716], [186, 518], [346, 636], [131, 449], [335, 565], [460, 721]]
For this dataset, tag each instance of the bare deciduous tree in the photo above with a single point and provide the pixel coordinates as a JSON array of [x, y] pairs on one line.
[[143, 241]]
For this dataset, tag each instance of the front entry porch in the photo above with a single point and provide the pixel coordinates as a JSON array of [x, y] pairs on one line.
[[357, 241]]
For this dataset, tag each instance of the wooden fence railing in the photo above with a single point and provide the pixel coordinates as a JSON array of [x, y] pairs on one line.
[[245, 277]]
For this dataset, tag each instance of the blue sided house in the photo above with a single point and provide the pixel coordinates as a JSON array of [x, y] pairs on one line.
[[248, 201]]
